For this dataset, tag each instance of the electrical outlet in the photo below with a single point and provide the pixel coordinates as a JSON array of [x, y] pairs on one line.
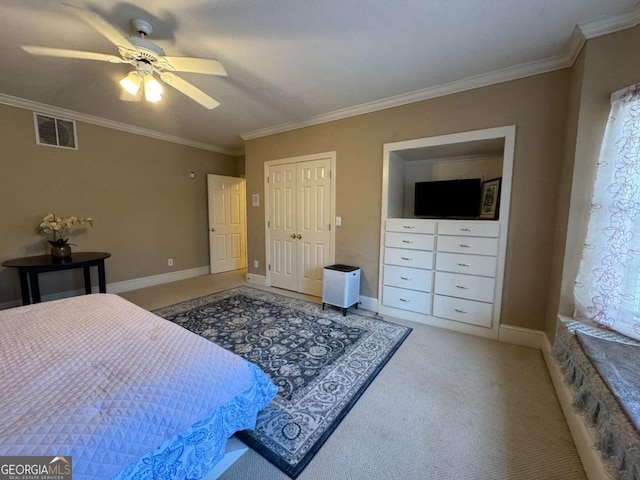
[[255, 264], [170, 262]]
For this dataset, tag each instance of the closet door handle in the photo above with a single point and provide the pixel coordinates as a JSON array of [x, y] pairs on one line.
[[299, 236], [407, 241], [405, 278], [405, 300], [466, 230], [464, 264], [464, 245], [407, 258], [293, 235], [460, 311], [462, 287], [408, 226]]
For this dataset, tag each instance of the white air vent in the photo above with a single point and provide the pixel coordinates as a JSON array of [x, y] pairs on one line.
[[55, 132]]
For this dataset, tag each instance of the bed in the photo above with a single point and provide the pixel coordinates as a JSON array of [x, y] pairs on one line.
[[124, 392], [601, 367]]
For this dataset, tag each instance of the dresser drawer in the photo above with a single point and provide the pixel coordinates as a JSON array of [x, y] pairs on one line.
[[468, 245], [409, 278], [409, 225], [406, 299], [414, 241], [408, 258], [464, 286], [467, 264], [470, 229], [466, 311]]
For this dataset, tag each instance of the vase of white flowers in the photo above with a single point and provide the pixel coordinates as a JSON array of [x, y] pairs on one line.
[[60, 246]]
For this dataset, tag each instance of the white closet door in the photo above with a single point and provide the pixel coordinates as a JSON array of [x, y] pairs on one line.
[[282, 234], [314, 224], [227, 224], [300, 224]]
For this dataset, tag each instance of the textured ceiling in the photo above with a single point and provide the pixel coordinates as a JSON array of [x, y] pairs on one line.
[[290, 62]]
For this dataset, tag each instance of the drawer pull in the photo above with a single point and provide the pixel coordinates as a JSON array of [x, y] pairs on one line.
[[462, 287], [408, 226], [466, 230], [464, 264], [464, 245], [460, 311], [405, 300], [407, 258], [407, 241], [405, 278]]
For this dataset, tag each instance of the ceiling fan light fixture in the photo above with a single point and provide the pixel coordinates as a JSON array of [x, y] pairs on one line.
[[131, 83], [152, 89]]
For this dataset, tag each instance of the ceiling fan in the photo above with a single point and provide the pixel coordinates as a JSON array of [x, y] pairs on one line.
[[147, 58]]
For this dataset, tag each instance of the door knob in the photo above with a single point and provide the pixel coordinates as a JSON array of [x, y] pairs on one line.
[[299, 237], [293, 235], [212, 229]]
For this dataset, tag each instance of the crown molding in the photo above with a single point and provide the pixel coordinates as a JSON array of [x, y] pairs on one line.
[[577, 40], [611, 23], [103, 122], [498, 76]]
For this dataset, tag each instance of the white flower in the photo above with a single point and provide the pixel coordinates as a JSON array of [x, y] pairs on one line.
[[57, 225]]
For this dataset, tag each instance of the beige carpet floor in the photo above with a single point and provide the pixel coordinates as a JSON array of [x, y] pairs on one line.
[[447, 406]]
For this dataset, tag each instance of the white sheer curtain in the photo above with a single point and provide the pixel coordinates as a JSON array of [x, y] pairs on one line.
[[607, 288]]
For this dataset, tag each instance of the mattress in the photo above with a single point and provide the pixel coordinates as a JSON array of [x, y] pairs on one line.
[[123, 391], [617, 436]]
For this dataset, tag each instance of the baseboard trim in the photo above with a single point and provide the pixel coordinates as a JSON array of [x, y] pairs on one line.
[[368, 303], [520, 336], [254, 279], [124, 286], [144, 282], [583, 435]]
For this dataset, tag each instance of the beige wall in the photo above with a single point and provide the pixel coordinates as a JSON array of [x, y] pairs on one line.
[[564, 195], [610, 63], [536, 105], [137, 189]]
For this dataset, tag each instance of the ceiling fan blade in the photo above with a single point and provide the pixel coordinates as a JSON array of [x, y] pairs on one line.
[[60, 52], [196, 65], [189, 90], [101, 25]]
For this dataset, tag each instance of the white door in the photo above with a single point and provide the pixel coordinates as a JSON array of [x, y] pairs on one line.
[[227, 224], [299, 224], [282, 229]]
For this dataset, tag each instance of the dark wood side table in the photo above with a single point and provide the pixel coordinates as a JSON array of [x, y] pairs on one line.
[[30, 267]]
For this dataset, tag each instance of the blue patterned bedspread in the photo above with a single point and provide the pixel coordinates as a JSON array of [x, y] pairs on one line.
[[128, 394]]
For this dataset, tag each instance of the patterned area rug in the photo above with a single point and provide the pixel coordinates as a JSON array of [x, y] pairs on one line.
[[321, 362]]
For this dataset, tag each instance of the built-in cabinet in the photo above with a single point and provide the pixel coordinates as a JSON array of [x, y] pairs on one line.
[[445, 272]]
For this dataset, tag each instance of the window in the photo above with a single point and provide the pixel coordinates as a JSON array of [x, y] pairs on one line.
[[607, 287]]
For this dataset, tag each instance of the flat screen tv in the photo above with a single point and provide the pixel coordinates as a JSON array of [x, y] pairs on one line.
[[448, 198]]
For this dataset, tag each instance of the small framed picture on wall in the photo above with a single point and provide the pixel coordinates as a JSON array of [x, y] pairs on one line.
[[490, 199]]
